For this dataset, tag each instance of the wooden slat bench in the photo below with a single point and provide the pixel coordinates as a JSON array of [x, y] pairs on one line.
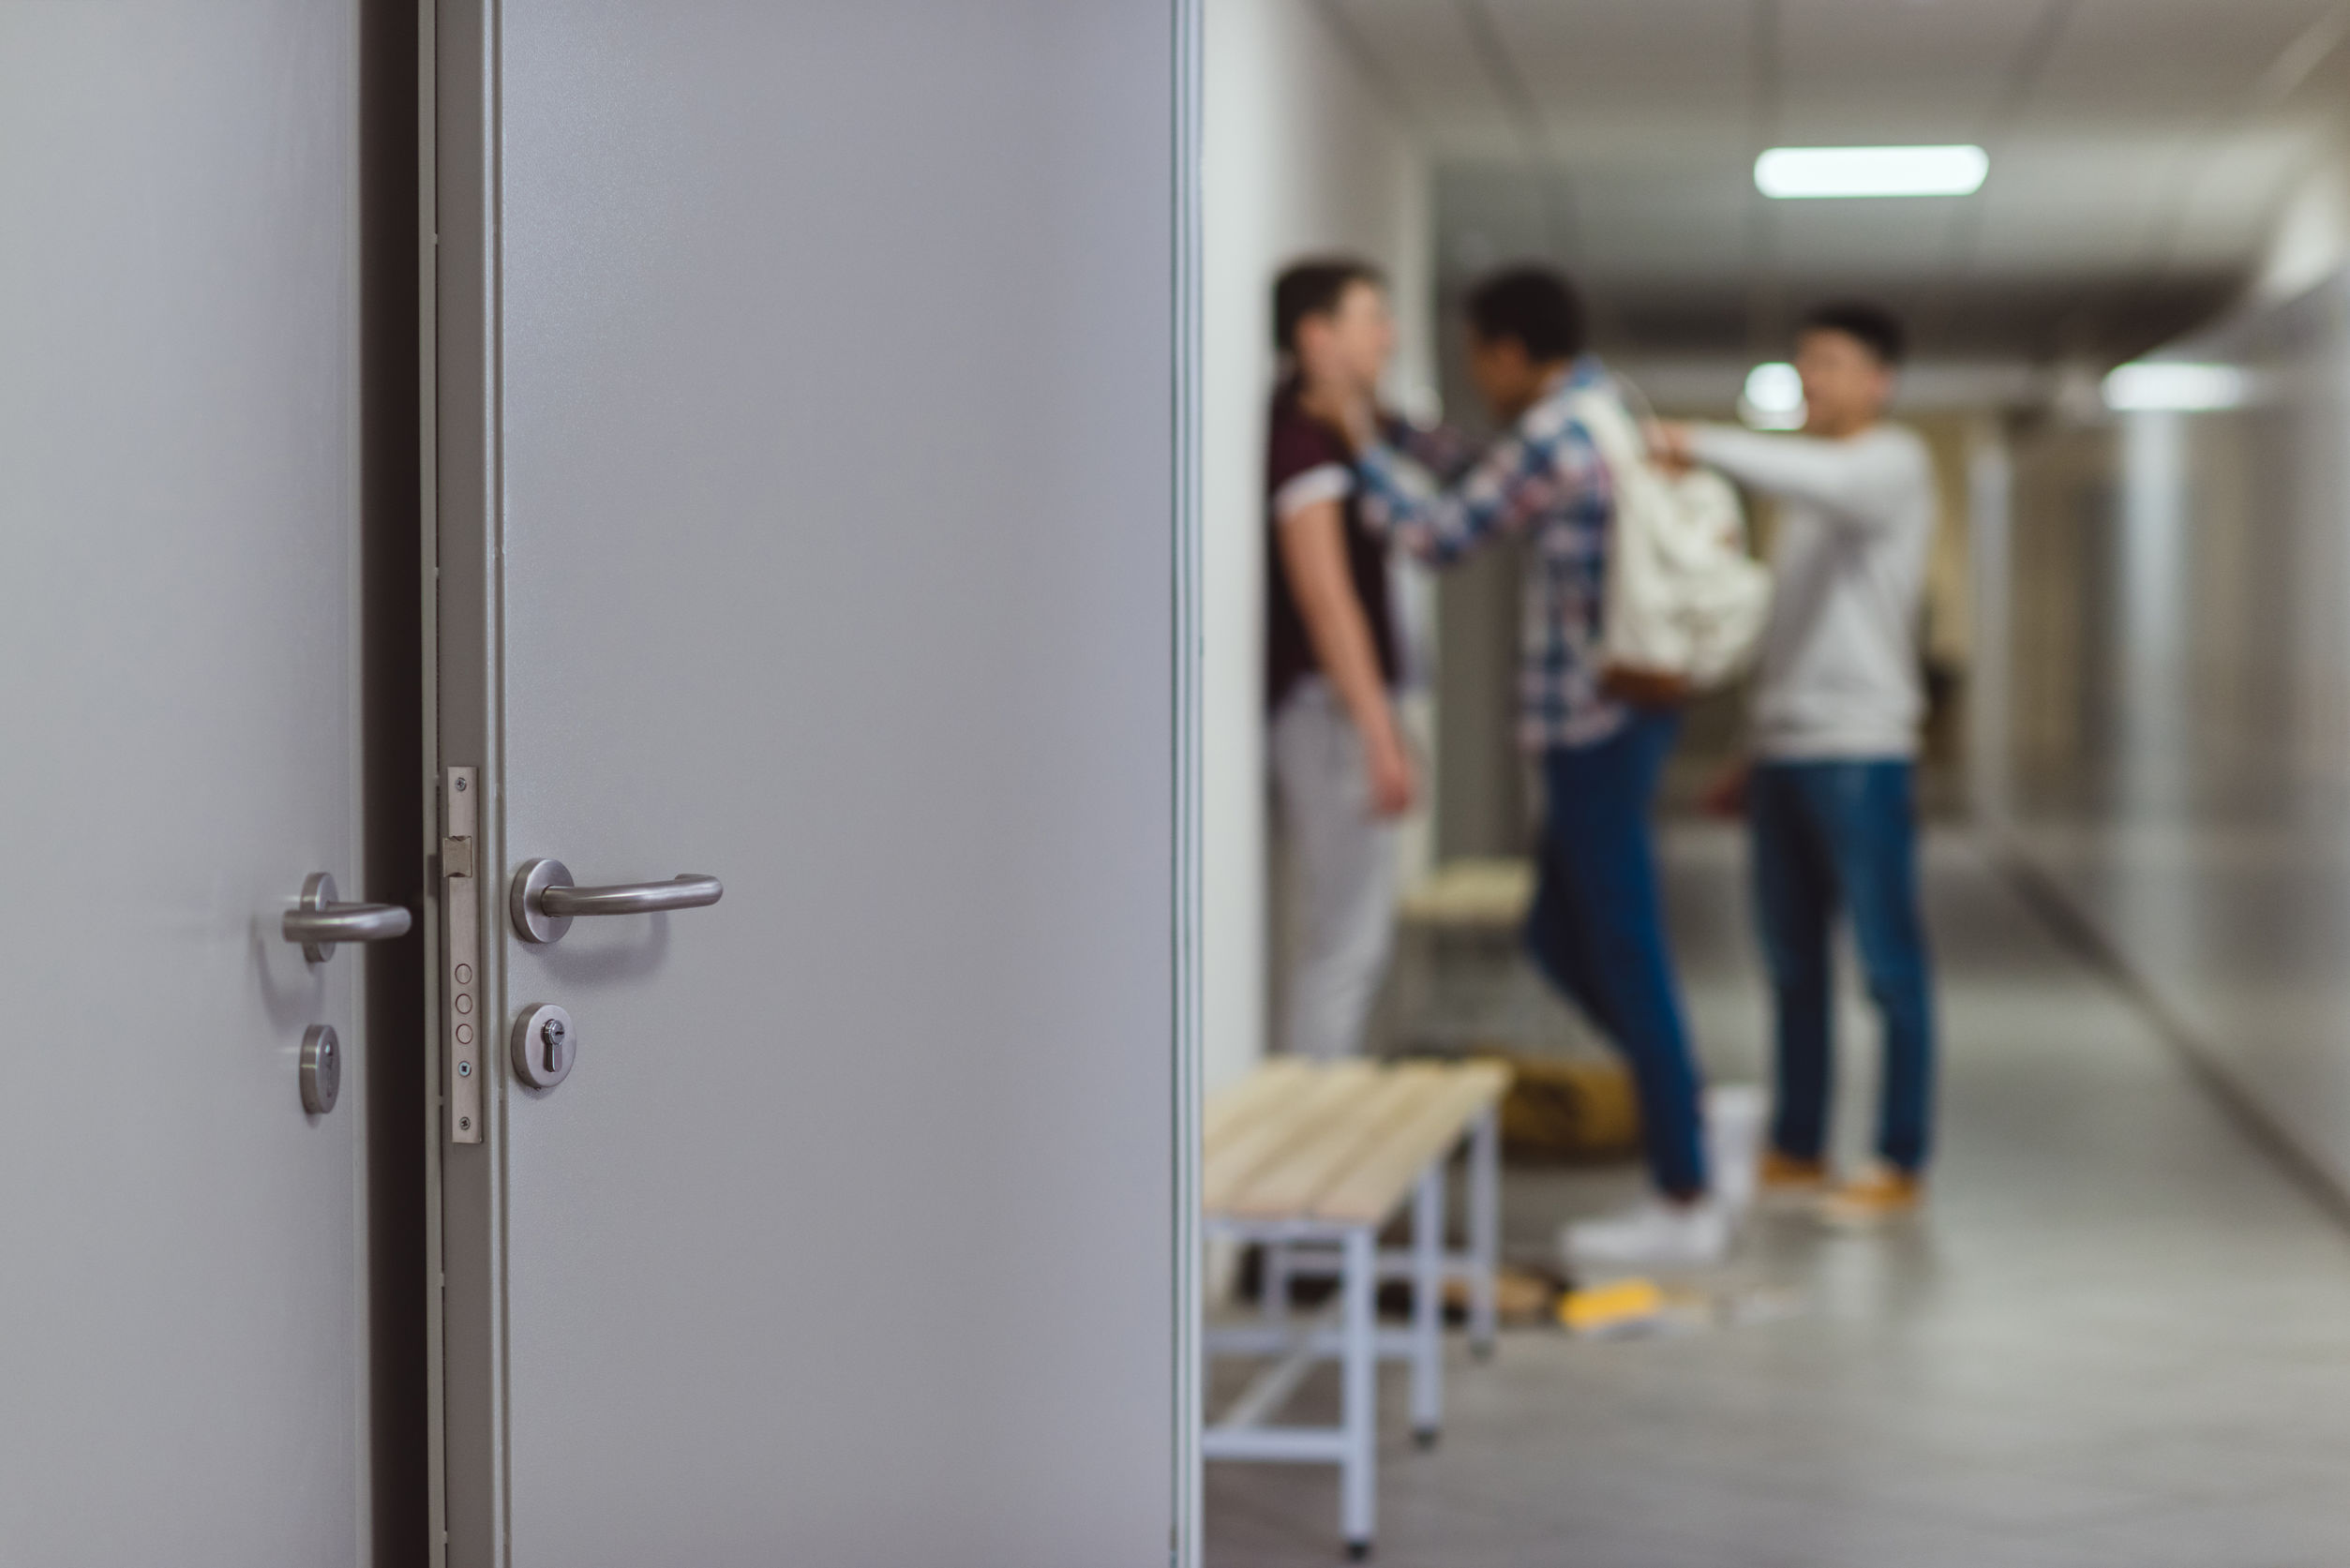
[[1474, 893], [1311, 1161], [1461, 981]]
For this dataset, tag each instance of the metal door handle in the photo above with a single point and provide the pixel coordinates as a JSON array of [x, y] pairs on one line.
[[318, 922], [687, 891], [544, 902]]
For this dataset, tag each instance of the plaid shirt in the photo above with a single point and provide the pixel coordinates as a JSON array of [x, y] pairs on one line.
[[1545, 479]]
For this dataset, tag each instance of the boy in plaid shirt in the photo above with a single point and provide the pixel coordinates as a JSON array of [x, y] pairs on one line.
[[1597, 925]]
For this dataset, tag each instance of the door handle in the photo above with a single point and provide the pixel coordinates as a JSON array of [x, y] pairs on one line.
[[318, 922], [544, 902]]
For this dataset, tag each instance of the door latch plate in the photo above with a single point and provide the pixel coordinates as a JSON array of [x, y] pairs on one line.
[[461, 971]]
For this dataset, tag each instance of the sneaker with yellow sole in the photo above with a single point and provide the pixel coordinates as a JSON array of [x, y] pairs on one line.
[[1783, 1181], [1879, 1196]]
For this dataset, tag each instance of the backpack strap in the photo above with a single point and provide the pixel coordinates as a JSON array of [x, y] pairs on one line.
[[1608, 422]]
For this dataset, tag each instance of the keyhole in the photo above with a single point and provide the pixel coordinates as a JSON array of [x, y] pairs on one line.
[[543, 1047]]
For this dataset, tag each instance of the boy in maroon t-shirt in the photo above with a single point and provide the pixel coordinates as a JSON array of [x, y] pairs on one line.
[[1340, 766]]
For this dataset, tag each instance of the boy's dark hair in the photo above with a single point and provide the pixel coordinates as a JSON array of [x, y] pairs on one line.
[[1874, 328], [1314, 289], [1532, 307]]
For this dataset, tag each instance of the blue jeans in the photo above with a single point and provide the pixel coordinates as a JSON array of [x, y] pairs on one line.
[[1831, 833], [1597, 930]]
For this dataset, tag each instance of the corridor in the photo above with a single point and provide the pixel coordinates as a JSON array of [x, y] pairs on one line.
[[736, 732], [2117, 1342]]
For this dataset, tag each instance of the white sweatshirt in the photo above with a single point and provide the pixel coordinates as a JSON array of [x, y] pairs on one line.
[[1839, 676]]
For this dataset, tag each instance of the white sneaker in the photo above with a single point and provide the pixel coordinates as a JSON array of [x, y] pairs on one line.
[[1734, 1114], [1656, 1234]]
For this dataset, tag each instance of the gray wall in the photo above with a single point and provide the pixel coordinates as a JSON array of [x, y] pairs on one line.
[[2179, 731], [1303, 154]]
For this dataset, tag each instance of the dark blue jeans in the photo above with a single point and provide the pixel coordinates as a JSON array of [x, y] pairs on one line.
[[1597, 930], [1844, 834]]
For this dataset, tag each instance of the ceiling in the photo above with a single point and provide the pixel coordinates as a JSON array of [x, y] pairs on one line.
[[2140, 151]]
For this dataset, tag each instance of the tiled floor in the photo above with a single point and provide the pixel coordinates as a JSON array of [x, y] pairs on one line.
[[2123, 1339]]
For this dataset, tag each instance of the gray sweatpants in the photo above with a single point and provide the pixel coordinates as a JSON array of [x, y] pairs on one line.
[[1346, 865]]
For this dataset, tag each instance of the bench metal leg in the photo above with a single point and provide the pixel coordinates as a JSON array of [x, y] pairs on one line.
[[1427, 1305], [1273, 1283], [1359, 1401], [1485, 1227], [1320, 1335]]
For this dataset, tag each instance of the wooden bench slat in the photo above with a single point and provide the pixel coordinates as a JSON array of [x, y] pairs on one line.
[[1260, 1094], [1380, 1179], [1291, 1183], [1342, 1141], [1325, 1092], [1472, 894], [1370, 1188]]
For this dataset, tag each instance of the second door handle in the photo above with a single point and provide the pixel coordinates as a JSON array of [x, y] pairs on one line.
[[318, 922], [544, 900]]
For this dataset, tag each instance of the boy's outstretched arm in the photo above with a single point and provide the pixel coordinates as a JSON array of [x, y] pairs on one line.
[[1503, 492]]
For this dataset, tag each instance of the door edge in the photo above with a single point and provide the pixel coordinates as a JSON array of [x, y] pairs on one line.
[[1189, 860], [460, 74]]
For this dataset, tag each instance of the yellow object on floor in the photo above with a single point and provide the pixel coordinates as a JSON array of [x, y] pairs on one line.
[[1620, 1304], [1568, 1109], [1519, 1299]]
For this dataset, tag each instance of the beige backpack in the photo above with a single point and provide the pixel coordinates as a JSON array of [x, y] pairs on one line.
[[1685, 602]]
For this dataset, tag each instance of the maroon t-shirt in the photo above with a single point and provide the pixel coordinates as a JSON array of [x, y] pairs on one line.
[[1302, 451]]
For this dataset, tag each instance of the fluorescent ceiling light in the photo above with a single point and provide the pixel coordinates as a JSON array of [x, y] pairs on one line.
[[1774, 399], [2162, 386], [1801, 172]]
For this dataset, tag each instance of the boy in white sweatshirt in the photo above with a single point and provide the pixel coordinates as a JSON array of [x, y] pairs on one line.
[[1836, 710]]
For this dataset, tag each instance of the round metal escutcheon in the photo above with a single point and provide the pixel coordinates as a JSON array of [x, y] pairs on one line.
[[531, 923], [544, 1045], [317, 891], [322, 1069]]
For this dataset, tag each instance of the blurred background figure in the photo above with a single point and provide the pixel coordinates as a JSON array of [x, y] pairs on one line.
[[1837, 707], [1341, 768], [1596, 927]]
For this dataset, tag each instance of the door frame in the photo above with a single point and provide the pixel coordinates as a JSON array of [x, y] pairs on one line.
[[429, 721], [459, 528], [458, 175], [1190, 20]]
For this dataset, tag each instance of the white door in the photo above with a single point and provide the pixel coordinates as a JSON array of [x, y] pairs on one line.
[[810, 397], [180, 1238]]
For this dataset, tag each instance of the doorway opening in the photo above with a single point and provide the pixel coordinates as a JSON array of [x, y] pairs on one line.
[[2123, 315]]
